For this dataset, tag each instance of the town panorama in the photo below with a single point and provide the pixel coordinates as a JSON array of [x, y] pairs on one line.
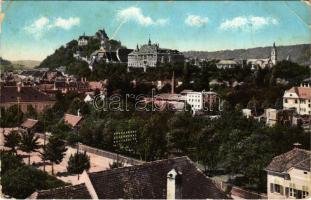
[[155, 99]]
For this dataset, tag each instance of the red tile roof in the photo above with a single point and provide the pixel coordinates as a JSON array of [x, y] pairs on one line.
[[302, 92], [72, 120], [29, 123]]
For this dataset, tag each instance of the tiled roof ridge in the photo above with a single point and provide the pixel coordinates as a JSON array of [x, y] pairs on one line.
[[72, 115], [62, 187], [146, 164], [301, 162]]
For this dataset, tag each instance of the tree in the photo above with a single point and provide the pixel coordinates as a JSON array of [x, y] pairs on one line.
[[55, 151], [23, 181], [115, 164], [12, 140], [78, 162], [9, 161], [29, 143]]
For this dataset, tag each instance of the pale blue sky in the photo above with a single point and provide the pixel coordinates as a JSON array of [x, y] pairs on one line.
[[33, 30]]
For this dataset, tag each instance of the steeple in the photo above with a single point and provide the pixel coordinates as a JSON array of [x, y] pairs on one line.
[[149, 42], [137, 48], [273, 55]]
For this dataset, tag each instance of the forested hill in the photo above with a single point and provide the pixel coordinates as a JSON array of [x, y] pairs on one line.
[[63, 56], [298, 53]]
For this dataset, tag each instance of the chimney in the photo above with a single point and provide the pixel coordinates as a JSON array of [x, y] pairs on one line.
[[174, 182]]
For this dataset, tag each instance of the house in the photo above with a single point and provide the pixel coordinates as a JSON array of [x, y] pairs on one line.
[[226, 64], [25, 97], [175, 178], [298, 98], [202, 100], [83, 40], [72, 120], [151, 55], [288, 175]]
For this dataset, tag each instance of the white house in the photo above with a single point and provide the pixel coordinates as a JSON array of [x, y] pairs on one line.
[[195, 100], [298, 98], [289, 175]]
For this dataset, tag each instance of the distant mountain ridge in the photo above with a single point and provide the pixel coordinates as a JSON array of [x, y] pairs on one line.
[[26, 63], [299, 53]]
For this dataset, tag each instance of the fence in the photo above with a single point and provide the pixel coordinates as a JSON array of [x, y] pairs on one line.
[[103, 153], [111, 155]]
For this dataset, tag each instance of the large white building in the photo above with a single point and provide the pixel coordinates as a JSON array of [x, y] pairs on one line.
[[202, 100], [151, 55], [288, 175], [298, 98]]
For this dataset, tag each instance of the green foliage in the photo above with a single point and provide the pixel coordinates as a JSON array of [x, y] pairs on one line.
[[78, 162], [115, 164], [23, 181], [9, 161], [54, 151], [29, 143], [11, 117], [12, 140], [31, 112]]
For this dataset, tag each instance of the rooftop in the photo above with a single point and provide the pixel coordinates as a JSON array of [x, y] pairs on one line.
[[302, 92], [72, 120], [297, 158], [69, 192], [149, 181], [26, 94], [29, 123]]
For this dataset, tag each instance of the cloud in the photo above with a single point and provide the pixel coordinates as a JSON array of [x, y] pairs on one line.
[[247, 23], [38, 27], [66, 23], [195, 20], [135, 14]]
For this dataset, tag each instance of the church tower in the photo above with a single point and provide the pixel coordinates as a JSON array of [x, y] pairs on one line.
[[273, 54]]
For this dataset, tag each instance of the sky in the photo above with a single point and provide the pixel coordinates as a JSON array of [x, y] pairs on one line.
[[32, 30]]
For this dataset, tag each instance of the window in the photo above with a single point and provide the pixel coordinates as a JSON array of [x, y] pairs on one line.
[[276, 188], [305, 194]]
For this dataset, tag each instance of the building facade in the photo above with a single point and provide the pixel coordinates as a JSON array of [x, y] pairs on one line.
[[24, 97], [288, 175], [226, 64], [265, 62], [298, 98], [151, 55]]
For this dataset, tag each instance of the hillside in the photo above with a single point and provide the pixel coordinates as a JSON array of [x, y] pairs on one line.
[[26, 63], [63, 56], [298, 53]]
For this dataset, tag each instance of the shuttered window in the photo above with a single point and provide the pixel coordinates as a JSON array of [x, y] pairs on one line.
[[271, 188]]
